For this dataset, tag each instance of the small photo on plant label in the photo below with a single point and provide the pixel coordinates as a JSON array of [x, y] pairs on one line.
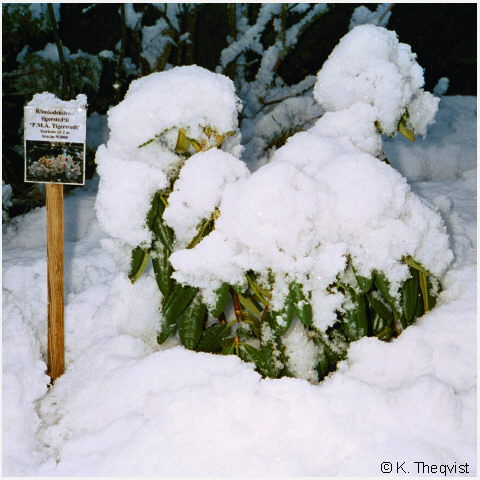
[[47, 162]]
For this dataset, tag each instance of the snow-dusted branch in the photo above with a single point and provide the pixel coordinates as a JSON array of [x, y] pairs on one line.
[[380, 17], [250, 38], [274, 55]]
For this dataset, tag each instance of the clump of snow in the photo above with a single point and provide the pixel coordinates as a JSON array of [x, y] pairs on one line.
[[47, 99], [362, 15], [301, 352], [370, 65], [132, 18], [198, 189], [22, 53], [421, 111], [106, 54], [130, 68], [441, 87], [50, 52], [39, 11], [189, 97], [353, 126], [123, 216], [139, 158], [6, 200]]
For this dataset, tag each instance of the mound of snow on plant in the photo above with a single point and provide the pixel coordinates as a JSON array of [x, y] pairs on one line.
[[370, 65], [198, 190], [301, 215], [144, 127], [180, 97]]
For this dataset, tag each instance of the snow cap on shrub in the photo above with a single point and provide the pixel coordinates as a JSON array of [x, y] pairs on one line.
[[140, 155], [188, 97], [370, 65]]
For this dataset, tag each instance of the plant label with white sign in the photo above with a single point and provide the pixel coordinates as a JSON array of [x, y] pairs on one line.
[[55, 144], [55, 133]]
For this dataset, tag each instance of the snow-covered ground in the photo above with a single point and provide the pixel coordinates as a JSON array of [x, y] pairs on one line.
[[126, 407]]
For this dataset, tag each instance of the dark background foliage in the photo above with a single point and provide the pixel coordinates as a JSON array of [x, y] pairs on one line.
[[442, 35]]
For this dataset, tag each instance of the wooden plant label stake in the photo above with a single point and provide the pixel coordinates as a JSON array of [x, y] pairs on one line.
[[56, 347], [55, 155]]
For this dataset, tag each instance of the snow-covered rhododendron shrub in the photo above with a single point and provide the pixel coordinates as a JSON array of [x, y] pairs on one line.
[[285, 266], [168, 126]]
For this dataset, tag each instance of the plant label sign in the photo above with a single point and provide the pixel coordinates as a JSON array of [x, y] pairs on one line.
[[55, 144]]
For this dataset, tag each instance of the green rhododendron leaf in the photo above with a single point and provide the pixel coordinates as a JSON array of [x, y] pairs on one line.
[[213, 337], [355, 322], [162, 232], [364, 283], [177, 301], [410, 297], [263, 359], [138, 263], [166, 331], [381, 310], [228, 346], [163, 271], [190, 323], [223, 295], [303, 308]]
